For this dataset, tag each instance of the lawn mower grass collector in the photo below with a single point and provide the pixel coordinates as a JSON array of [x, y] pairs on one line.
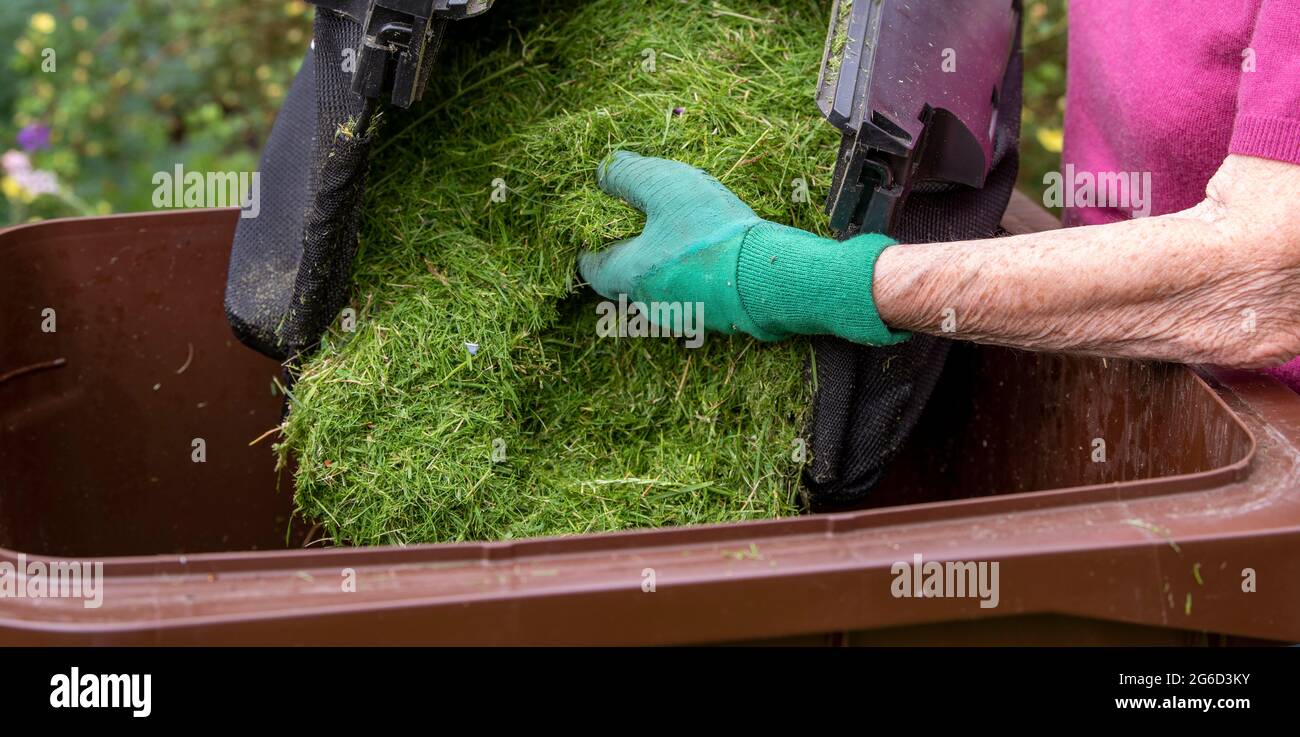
[[473, 398]]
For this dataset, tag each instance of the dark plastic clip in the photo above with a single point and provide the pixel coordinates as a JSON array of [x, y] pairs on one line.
[[400, 39], [392, 61], [914, 89]]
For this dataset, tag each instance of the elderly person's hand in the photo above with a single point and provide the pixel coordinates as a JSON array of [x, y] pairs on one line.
[[703, 246], [1218, 283]]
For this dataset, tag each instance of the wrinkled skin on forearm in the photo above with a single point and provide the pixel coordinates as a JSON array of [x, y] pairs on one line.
[[1218, 283]]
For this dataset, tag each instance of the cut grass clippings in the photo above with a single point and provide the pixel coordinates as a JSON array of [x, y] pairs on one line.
[[402, 435]]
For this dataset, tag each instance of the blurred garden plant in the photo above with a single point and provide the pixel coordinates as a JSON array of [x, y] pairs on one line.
[[100, 95], [22, 185], [1043, 109]]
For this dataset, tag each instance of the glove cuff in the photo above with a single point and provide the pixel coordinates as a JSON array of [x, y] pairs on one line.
[[792, 282]]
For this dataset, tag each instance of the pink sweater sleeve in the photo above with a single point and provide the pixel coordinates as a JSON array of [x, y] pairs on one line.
[[1268, 100]]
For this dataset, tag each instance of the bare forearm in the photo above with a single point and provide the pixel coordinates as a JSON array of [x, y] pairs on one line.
[[1219, 283]]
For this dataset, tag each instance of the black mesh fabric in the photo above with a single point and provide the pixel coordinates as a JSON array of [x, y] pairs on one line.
[[868, 400], [290, 266]]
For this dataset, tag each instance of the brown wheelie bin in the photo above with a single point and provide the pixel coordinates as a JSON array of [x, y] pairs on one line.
[[1122, 502]]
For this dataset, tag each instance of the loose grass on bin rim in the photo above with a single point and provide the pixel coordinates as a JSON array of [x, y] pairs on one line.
[[395, 425]]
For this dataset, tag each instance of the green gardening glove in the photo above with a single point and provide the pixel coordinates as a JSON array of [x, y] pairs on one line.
[[701, 244]]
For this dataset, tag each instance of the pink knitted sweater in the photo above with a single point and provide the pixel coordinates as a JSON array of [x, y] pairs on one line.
[[1170, 89]]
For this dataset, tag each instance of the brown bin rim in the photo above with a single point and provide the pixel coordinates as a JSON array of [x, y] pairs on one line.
[[833, 570]]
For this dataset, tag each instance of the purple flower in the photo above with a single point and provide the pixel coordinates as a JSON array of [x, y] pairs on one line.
[[34, 136], [678, 111]]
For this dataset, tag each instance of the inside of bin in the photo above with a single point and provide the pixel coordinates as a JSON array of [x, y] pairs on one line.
[[100, 455]]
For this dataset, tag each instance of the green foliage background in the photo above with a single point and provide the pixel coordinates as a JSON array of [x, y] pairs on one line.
[[144, 84], [141, 85], [1044, 93]]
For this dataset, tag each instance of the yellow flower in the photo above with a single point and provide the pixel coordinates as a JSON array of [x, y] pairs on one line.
[[80, 24], [14, 191], [1050, 139], [43, 23], [11, 188]]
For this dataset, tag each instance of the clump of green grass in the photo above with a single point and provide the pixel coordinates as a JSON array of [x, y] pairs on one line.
[[402, 436]]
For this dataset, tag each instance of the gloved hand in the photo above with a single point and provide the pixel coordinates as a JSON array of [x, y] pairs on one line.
[[702, 244]]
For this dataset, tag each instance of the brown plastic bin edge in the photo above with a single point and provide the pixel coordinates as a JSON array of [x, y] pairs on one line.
[[801, 575]]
